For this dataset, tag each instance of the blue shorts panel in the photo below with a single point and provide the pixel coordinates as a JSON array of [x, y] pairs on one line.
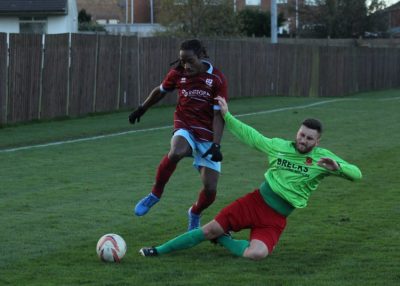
[[199, 148]]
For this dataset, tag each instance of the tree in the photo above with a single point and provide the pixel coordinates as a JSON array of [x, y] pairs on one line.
[[256, 23], [198, 17], [84, 17], [377, 21], [338, 18], [351, 19], [86, 23]]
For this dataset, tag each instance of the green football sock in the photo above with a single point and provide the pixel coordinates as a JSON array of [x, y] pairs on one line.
[[186, 240], [235, 246]]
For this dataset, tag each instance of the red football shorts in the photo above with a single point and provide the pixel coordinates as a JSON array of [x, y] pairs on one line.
[[251, 212]]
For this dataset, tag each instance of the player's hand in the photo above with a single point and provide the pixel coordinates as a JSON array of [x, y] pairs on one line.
[[215, 152], [135, 115], [222, 103], [328, 163]]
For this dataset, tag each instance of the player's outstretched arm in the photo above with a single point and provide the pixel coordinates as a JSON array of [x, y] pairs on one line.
[[328, 163], [244, 132], [155, 96], [344, 169]]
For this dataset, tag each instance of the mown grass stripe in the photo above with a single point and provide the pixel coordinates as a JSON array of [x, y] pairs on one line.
[[163, 127]]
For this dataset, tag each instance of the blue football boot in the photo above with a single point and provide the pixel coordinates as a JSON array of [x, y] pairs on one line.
[[194, 220], [144, 205]]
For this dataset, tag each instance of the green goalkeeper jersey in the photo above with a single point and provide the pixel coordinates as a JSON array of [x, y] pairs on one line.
[[293, 176]]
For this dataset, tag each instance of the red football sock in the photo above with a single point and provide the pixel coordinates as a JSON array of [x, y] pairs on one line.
[[164, 172], [204, 201]]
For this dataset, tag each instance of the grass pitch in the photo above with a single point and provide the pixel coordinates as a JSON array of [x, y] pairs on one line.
[[56, 201]]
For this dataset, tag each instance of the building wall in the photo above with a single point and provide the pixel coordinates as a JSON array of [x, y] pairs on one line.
[[103, 9], [142, 11], [120, 10], [64, 24], [395, 18], [55, 24]]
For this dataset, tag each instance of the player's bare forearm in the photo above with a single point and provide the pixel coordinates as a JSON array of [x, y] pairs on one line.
[[218, 126], [155, 96]]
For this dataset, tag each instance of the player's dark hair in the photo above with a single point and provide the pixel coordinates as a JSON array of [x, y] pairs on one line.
[[194, 45], [314, 124]]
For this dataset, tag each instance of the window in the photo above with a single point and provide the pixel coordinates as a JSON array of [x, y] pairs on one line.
[[34, 25], [281, 1], [206, 2], [253, 2], [311, 2], [212, 2], [101, 21], [180, 2]]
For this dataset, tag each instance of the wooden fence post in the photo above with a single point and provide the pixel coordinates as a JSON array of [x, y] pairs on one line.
[[3, 78]]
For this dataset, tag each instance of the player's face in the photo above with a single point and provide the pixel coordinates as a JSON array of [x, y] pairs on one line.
[[191, 63], [306, 139]]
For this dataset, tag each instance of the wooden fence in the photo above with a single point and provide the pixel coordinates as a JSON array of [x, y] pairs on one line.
[[73, 75]]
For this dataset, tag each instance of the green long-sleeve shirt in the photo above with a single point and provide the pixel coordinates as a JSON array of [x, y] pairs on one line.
[[293, 176]]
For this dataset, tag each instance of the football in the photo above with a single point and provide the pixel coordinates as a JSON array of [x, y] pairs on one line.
[[111, 248]]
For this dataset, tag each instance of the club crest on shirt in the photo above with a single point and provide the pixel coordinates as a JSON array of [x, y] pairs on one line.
[[209, 82], [183, 80], [308, 161]]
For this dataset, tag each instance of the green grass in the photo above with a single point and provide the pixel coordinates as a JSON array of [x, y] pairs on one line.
[[57, 201]]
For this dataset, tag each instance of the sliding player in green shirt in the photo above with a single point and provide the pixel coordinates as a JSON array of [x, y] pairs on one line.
[[295, 171]]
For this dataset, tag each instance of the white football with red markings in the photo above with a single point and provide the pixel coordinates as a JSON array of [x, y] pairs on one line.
[[111, 248]]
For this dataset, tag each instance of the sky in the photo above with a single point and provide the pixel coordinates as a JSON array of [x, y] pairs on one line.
[[390, 2]]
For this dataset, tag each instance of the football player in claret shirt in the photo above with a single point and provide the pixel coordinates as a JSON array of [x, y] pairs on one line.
[[198, 126], [295, 170]]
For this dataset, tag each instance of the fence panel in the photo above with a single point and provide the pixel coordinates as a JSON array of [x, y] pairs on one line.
[[155, 65], [107, 82], [150, 55], [287, 69], [3, 78], [129, 91], [223, 55], [390, 72], [168, 53], [24, 77], [259, 70], [395, 63], [364, 69], [247, 62], [108, 73], [272, 73], [83, 74], [55, 77], [302, 65], [338, 84], [330, 67]]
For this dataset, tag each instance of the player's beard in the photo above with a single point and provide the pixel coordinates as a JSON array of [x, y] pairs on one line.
[[302, 148]]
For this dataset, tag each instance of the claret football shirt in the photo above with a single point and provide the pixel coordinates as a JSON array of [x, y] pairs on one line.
[[196, 99]]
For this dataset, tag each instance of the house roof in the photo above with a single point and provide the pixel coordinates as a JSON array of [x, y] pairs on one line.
[[21, 7]]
